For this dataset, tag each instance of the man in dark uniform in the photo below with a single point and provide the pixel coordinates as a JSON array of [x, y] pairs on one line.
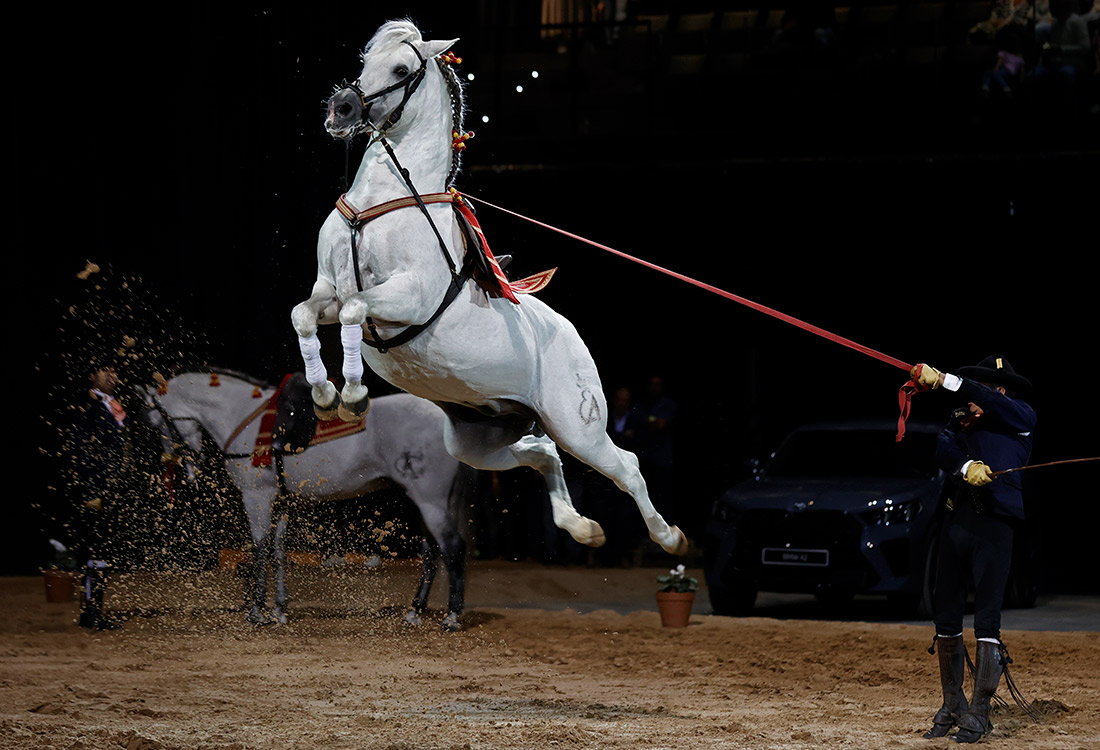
[[991, 433], [102, 471]]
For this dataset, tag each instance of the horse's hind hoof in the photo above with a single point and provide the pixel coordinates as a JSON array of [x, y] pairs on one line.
[[595, 536], [678, 545], [412, 619]]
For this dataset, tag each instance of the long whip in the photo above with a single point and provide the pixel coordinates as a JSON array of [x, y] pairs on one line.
[[1048, 463]]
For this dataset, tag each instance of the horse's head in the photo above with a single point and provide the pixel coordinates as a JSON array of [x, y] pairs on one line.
[[180, 437], [395, 63]]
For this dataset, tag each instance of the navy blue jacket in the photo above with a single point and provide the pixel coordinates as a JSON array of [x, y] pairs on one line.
[[1001, 438], [99, 447]]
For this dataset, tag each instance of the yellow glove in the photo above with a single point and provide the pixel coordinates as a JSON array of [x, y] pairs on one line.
[[978, 474], [94, 504], [925, 375]]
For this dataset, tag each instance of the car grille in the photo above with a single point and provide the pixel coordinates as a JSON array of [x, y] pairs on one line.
[[835, 531]]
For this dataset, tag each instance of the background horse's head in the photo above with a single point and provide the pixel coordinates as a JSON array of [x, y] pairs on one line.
[[395, 64], [180, 436]]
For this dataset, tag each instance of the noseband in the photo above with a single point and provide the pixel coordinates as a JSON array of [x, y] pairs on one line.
[[410, 83]]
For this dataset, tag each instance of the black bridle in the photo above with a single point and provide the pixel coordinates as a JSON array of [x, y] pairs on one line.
[[410, 83]]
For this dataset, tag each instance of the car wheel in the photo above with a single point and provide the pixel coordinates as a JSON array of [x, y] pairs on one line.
[[736, 600]]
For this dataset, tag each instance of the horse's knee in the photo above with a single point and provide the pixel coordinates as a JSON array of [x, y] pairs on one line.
[[304, 320], [354, 312]]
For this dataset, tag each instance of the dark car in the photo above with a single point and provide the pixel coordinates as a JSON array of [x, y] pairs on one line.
[[839, 509]]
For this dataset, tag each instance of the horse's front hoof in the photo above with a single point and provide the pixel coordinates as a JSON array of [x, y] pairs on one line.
[[278, 615], [353, 412], [257, 616], [412, 619], [326, 403], [450, 623], [355, 402]]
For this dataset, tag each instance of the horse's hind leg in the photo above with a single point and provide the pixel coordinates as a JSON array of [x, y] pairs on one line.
[[442, 536], [321, 307], [454, 559], [598, 451], [429, 558], [488, 446]]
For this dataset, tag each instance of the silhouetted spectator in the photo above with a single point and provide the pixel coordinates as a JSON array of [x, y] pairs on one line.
[[1066, 58], [1007, 69], [656, 449], [1006, 16]]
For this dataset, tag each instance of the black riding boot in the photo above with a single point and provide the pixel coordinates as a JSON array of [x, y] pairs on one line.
[[952, 653], [91, 608], [987, 674]]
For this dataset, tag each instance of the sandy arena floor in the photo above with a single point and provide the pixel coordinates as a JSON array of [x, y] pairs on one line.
[[186, 671]]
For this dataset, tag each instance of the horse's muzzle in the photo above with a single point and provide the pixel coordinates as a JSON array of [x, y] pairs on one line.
[[345, 113]]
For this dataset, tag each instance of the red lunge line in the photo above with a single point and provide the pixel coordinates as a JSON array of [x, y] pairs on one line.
[[905, 394], [721, 292]]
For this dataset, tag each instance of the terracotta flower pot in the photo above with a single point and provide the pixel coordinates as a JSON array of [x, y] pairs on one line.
[[60, 585], [675, 607]]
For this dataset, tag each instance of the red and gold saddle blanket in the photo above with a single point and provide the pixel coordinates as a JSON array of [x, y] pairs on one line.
[[272, 422]]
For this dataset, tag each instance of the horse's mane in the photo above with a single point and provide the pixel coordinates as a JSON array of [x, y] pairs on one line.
[[209, 369], [393, 33], [404, 30]]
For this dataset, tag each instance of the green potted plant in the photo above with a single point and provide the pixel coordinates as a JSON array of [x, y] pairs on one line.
[[675, 597]]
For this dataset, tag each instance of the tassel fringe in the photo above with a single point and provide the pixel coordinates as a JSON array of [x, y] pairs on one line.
[[1013, 691]]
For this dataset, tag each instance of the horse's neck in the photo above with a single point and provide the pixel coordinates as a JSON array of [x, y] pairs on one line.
[[223, 409], [422, 145]]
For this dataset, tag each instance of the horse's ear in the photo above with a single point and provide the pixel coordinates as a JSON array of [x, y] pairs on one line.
[[428, 50]]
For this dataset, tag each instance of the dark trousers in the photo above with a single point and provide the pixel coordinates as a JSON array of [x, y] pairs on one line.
[[974, 549]]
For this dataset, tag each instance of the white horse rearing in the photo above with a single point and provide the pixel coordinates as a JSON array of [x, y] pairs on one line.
[[514, 379]]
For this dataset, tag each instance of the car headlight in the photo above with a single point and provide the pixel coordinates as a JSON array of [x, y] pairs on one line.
[[886, 512]]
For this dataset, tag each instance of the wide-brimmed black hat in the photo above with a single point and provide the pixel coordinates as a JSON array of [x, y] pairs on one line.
[[996, 370]]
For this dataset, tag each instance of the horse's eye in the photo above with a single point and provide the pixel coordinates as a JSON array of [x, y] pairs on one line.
[[401, 71]]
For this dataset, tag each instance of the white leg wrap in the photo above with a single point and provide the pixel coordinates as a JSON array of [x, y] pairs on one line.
[[352, 338], [316, 374]]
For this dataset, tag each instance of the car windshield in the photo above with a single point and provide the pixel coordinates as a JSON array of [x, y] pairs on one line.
[[853, 453]]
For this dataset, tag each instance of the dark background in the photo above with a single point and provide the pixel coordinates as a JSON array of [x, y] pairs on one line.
[[867, 191]]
